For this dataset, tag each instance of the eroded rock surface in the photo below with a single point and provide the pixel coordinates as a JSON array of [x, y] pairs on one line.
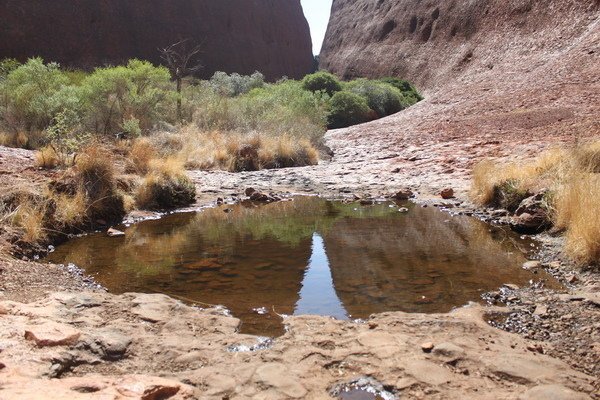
[[242, 36], [170, 350]]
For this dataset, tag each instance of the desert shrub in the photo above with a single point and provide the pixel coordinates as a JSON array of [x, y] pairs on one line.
[[409, 92], [235, 84], [322, 82], [347, 109], [8, 65], [382, 98], [275, 110], [34, 93], [117, 97], [65, 136], [165, 187]]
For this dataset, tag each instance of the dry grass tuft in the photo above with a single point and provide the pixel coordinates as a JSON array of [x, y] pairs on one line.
[[577, 209], [31, 217], [70, 211], [96, 179], [572, 177], [166, 186], [236, 152], [47, 158], [142, 153]]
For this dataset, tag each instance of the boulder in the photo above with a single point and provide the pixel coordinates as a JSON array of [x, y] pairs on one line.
[[532, 215]]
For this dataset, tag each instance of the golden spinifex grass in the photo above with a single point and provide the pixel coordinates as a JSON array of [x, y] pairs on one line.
[[572, 178], [234, 151]]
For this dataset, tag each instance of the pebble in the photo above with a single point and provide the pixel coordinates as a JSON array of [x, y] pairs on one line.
[[427, 347]]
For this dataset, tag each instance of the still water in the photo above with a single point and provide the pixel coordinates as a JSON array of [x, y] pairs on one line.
[[307, 256]]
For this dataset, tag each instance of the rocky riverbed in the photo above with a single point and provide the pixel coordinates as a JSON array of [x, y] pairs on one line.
[[64, 337]]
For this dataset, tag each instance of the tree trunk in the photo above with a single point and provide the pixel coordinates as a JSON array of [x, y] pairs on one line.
[[179, 117]]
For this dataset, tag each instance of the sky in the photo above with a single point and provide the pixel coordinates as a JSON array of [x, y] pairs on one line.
[[317, 13]]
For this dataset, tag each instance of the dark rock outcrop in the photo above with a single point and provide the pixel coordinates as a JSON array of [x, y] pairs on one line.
[[270, 36]]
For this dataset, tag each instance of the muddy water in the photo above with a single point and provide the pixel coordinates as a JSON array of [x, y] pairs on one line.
[[307, 256]]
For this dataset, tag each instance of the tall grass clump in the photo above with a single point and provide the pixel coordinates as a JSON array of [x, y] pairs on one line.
[[236, 152], [166, 186], [571, 177]]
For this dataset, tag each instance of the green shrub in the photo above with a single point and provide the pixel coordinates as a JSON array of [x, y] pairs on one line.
[[322, 82], [34, 93], [276, 109], [346, 109], [409, 92], [235, 84], [382, 98], [7, 66], [115, 95], [65, 136]]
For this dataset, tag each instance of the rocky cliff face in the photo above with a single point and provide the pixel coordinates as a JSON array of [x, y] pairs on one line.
[[270, 36], [433, 41]]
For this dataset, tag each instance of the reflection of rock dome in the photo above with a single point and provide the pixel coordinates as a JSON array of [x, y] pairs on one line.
[[427, 262]]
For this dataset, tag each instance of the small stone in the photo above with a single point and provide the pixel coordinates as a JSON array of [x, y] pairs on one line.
[[112, 232], [403, 194], [499, 213], [541, 310], [220, 200], [148, 388], [113, 344], [447, 193], [449, 352], [249, 191], [572, 279], [403, 210], [531, 265], [427, 347], [510, 286], [536, 348]]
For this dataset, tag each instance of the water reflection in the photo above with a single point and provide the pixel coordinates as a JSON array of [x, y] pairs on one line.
[[318, 293], [306, 256]]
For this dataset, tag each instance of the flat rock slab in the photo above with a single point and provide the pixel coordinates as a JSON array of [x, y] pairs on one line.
[[52, 334], [552, 392], [192, 346]]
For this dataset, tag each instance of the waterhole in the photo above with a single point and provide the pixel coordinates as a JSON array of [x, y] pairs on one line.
[[307, 256]]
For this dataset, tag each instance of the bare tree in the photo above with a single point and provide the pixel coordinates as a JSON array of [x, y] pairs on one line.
[[182, 60]]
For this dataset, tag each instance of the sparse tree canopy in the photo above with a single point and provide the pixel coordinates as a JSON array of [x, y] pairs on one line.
[[182, 59]]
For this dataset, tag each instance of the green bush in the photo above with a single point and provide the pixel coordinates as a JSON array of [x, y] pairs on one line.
[[409, 92], [346, 109], [381, 97], [33, 93], [322, 82], [235, 84], [114, 95], [276, 109]]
